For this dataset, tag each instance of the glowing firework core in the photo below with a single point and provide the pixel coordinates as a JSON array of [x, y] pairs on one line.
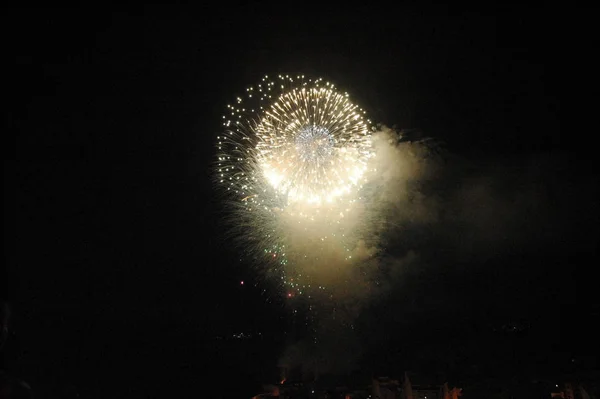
[[314, 144]]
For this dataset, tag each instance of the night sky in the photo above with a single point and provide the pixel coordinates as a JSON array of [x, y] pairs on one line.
[[119, 276]]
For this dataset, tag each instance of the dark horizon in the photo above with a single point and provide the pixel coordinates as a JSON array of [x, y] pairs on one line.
[[120, 276]]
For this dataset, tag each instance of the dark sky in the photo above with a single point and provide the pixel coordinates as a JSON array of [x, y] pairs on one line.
[[117, 270]]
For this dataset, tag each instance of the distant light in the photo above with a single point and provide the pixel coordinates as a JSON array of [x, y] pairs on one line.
[[242, 282]]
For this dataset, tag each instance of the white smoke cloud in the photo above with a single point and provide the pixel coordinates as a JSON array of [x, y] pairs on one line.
[[428, 209]]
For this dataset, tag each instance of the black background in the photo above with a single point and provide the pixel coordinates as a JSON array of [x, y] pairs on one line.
[[118, 276]]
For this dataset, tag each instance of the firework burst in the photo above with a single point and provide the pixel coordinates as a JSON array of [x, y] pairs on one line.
[[294, 158], [311, 189]]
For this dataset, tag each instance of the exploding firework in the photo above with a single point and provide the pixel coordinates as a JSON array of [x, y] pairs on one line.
[[294, 158], [313, 144], [311, 188], [305, 140]]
